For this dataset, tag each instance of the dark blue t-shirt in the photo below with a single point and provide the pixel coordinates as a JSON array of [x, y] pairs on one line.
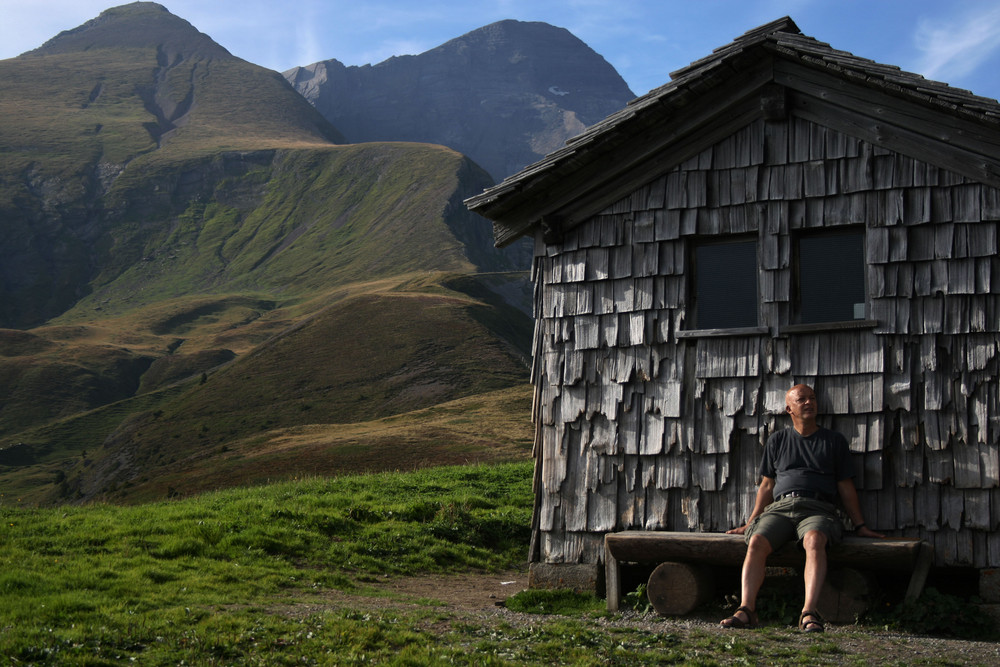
[[807, 463]]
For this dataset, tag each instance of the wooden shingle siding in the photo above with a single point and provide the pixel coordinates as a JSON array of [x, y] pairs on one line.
[[642, 426]]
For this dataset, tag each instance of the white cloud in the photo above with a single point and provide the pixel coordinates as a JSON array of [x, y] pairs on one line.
[[955, 49]]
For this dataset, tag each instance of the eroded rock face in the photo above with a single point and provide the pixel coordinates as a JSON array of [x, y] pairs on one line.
[[505, 95]]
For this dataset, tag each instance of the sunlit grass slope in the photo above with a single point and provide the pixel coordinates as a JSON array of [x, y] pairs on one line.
[[285, 224], [231, 577], [367, 356]]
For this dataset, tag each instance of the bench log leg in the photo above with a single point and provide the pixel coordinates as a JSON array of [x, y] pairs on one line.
[[676, 589], [612, 580], [922, 567], [846, 594]]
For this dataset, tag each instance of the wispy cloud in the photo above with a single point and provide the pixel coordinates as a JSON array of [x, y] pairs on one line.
[[308, 44], [955, 49]]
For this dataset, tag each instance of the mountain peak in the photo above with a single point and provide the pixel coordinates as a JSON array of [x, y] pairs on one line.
[[184, 92], [505, 94], [136, 25], [511, 32]]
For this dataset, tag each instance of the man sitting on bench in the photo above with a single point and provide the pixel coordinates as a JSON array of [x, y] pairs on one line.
[[804, 469]]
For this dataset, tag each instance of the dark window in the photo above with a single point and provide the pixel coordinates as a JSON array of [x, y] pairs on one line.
[[831, 276], [725, 289]]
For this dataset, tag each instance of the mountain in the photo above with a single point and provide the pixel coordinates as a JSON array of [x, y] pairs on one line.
[[200, 282], [505, 95], [94, 110]]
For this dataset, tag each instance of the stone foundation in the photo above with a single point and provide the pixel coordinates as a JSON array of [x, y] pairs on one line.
[[580, 577]]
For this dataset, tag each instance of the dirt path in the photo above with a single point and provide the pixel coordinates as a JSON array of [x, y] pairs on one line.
[[480, 597]]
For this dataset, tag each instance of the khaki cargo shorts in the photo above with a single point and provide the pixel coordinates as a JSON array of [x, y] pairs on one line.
[[791, 518]]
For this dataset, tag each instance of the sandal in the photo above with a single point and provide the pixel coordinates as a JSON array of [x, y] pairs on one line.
[[738, 623], [814, 624]]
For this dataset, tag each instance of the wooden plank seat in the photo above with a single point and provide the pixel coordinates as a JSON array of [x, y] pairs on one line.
[[683, 580]]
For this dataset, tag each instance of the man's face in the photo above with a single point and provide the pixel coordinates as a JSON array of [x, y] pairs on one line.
[[801, 403]]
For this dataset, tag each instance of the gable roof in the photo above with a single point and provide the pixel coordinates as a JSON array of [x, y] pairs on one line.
[[774, 65]]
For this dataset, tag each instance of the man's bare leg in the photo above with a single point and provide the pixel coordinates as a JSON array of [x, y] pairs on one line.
[[814, 575], [754, 566], [751, 579]]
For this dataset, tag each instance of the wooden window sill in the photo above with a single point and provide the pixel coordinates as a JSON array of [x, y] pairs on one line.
[[827, 326], [813, 327], [718, 333]]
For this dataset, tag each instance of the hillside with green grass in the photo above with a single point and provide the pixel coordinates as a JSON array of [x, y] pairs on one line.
[[197, 277], [184, 582]]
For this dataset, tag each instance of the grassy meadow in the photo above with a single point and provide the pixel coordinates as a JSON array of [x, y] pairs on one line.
[[218, 579]]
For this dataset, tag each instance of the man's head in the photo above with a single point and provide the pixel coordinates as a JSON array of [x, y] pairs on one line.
[[801, 405]]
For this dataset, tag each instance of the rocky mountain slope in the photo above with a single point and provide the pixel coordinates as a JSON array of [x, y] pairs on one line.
[[194, 266], [505, 95]]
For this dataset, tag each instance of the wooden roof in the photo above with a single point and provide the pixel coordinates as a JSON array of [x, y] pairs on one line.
[[772, 65]]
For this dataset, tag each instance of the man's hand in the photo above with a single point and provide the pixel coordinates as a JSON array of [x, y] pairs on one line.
[[849, 496], [865, 531], [765, 496]]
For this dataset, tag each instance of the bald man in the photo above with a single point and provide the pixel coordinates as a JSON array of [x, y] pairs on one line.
[[804, 469]]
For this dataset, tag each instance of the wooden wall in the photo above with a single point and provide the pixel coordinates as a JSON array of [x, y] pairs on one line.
[[639, 427]]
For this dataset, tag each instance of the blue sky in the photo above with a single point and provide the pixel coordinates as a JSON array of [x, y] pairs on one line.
[[955, 41]]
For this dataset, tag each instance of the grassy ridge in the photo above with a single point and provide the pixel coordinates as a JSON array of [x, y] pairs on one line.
[[368, 355], [285, 224], [204, 580], [266, 249]]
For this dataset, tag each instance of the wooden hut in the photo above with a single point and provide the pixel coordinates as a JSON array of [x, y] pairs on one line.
[[779, 212]]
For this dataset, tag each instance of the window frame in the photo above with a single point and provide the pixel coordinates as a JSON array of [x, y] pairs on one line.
[[697, 328], [797, 296]]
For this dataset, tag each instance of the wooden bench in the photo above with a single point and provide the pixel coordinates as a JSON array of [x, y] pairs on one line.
[[683, 580]]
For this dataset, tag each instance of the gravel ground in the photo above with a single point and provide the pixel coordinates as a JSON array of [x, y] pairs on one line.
[[480, 597]]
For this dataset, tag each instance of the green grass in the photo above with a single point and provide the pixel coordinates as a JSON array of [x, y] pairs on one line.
[[286, 225], [560, 601], [201, 580]]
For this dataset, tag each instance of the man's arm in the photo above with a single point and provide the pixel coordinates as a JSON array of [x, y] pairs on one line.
[[765, 497], [849, 496]]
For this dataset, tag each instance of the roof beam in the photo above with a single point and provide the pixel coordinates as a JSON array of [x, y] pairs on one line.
[[943, 138]]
